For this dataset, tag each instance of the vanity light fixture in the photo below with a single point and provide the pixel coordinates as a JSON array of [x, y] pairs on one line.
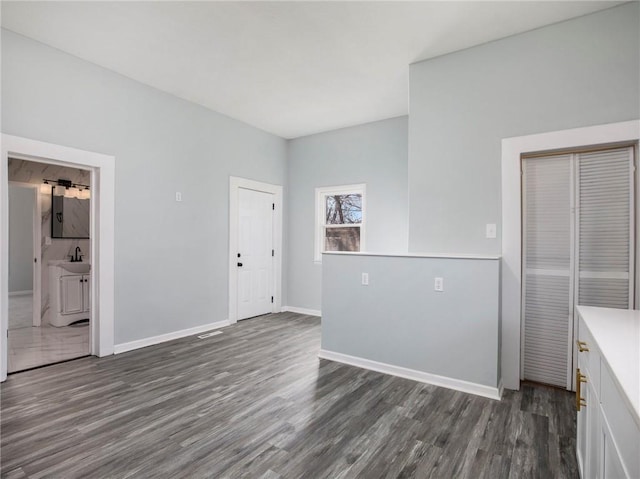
[[45, 188], [65, 188], [71, 192]]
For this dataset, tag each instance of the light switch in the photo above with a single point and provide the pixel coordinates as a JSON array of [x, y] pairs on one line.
[[438, 284], [47, 240], [491, 230], [365, 279], [178, 196]]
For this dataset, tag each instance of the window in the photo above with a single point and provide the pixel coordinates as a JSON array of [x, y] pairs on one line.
[[340, 219]]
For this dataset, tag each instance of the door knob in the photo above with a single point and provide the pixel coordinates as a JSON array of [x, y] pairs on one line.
[[239, 264]]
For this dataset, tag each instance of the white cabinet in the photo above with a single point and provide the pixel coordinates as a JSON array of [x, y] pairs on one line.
[[74, 291], [588, 422], [608, 425], [70, 294]]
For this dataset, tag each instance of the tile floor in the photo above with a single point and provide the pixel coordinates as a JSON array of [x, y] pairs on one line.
[[21, 311], [30, 346]]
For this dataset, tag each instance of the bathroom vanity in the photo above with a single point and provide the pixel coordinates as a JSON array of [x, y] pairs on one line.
[[608, 393], [70, 290]]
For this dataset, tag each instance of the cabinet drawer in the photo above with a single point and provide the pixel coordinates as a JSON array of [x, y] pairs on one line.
[[589, 360], [618, 419]]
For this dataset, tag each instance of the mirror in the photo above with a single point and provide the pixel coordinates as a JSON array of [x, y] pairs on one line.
[[69, 217]]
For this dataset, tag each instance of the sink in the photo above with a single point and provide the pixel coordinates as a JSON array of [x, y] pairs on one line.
[[78, 268]]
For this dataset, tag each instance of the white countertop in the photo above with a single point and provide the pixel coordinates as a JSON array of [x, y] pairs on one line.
[[617, 333], [415, 255]]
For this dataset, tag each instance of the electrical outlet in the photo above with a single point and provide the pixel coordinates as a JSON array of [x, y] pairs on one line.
[[491, 230], [178, 196], [438, 284], [365, 279], [47, 241]]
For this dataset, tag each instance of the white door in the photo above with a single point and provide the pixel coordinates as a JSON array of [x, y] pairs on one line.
[[605, 232], [578, 244], [255, 253], [547, 267]]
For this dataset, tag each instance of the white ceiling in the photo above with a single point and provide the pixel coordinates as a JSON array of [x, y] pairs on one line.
[[290, 68]]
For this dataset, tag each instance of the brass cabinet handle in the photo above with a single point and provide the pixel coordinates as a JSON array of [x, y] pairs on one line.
[[582, 346], [580, 378]]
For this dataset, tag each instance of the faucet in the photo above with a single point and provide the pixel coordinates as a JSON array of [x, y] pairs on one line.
[[77, 257]]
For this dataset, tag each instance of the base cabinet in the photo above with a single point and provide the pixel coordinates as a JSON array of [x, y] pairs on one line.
[[70, 296], [608, 434]]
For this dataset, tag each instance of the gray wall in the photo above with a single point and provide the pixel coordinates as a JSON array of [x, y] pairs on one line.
[[373, 153], [399, 319], [21, 206], [171, 258], [577, 73]]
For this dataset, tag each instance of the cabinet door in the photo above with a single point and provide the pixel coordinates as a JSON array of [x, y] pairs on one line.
[[582, 446], [593, 431], [71, 294], [612, 465], [581, 441], [86, 293], [589, 424]]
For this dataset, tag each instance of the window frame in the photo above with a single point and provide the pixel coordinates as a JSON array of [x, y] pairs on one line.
[[321, 195]]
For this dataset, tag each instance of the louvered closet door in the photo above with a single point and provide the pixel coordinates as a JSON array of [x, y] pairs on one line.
[[547, 268], [578, 248], [605, 253]]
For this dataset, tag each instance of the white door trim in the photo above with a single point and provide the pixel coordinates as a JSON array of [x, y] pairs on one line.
[[37, 251], [512, 149], [235, 183], [102, 169]]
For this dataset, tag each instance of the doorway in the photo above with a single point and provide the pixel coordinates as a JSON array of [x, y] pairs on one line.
[[102, 168], [49, 264], [578, 241], [255, 248], [511, 181]]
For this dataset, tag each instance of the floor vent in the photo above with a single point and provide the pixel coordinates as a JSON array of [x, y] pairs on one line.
[[209, 334]]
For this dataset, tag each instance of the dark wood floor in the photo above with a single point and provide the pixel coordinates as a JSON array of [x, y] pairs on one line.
[[256, 402]]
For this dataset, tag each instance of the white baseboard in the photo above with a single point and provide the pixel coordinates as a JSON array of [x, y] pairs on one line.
[[415, 375], [141, 343], [294, 309], [21, 293]]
